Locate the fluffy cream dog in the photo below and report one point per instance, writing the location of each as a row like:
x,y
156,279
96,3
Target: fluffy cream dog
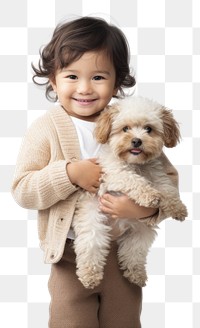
x,y
133,133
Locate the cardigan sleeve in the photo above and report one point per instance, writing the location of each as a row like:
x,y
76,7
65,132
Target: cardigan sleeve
x,y
40,178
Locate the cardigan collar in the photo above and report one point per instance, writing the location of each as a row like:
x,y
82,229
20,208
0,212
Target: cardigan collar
x,y
66,132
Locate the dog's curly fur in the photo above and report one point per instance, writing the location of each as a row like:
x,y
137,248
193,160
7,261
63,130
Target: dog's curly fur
x,y
133,133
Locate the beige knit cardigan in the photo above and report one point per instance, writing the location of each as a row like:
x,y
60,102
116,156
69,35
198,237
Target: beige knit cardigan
x,y
41,182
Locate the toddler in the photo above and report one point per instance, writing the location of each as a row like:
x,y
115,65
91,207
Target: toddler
x,y
85,64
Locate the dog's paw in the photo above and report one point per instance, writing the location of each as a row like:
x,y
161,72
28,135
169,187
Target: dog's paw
x,y
180,213
91,283
179,218
90,277
138,277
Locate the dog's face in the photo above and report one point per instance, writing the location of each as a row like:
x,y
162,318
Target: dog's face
x,y
137,129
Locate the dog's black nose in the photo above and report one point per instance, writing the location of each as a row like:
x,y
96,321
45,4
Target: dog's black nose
x,y
136,142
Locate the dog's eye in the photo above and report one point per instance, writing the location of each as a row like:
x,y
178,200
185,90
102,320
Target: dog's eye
x,y
126,128
148,129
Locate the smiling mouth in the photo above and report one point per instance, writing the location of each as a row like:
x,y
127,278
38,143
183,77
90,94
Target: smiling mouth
x,y
84,101
136,151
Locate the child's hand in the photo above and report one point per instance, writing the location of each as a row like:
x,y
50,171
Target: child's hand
x,y
85,174
120,207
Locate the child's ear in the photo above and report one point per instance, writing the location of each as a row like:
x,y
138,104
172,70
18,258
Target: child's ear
x,y
104,124
53,84
115,92
171,128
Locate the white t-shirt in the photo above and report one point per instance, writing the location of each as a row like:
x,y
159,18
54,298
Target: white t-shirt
x,y
88,145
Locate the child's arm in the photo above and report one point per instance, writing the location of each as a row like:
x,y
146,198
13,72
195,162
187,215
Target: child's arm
x,y
119,207
41,178
85,174
123,207
38,183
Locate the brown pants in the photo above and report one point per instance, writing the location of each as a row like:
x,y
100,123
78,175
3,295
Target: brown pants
x,y
115,303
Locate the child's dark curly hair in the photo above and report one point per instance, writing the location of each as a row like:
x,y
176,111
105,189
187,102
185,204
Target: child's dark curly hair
x,y
72,39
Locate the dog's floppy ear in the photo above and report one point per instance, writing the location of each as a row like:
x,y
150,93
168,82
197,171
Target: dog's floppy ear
x,y
104,123
171,128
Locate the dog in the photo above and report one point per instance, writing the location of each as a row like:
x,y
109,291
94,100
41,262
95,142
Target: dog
x,y
132,132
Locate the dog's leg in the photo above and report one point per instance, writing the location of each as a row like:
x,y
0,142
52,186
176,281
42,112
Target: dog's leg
x,y
143,193
135,186
91,244
170,203
173,207
132,253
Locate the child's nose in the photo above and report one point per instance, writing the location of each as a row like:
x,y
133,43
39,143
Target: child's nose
x,y
84,87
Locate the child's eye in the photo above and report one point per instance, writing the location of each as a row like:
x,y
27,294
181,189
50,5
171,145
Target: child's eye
x,y
148,129
72,77
98,78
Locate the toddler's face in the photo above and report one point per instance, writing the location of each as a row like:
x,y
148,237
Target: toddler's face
x,y
86,86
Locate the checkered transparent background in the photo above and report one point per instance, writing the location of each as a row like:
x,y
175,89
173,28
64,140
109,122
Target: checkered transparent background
x,y
164,37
